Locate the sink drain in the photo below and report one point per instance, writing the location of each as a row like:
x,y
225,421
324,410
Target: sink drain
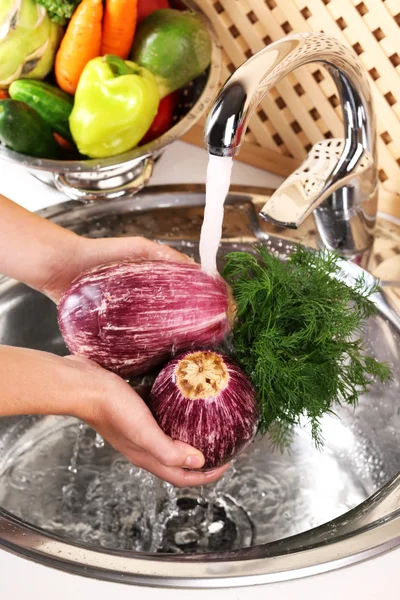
x,y
199,526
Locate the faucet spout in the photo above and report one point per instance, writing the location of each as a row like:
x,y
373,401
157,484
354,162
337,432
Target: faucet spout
x,y
338,181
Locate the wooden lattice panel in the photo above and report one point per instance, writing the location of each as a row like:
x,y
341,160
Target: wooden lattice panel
x,y
304,108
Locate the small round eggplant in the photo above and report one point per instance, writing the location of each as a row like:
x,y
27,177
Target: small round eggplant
x,y
203,398
131,316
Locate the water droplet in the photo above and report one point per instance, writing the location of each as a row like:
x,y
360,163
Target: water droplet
x,y
98,442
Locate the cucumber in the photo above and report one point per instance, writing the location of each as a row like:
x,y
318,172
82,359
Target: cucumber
x,y
23,130
174,45
52,104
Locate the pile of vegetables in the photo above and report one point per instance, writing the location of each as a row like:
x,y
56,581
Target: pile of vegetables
x,y
98,77
261,348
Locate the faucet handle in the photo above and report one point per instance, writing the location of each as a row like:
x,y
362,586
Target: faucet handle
x,y
328,167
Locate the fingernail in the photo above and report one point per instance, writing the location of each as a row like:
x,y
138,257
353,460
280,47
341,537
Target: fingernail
x,y
194,462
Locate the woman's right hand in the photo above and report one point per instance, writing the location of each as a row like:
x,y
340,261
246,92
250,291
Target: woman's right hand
x,y
122,418
41,383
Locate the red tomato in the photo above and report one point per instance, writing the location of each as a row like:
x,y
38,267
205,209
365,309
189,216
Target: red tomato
x,y
146,7
163,119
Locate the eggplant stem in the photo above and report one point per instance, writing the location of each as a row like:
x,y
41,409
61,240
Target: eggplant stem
x,y
201,375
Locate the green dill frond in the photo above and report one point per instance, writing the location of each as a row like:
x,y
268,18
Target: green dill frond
x,y
298,336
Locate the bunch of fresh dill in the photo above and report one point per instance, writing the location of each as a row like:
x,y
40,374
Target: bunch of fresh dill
x,y
298,336
60,11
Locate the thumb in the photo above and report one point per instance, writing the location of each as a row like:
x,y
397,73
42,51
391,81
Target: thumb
x,y
126,416
168,452
194,459
142,429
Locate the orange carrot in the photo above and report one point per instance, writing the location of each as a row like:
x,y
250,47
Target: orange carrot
x,y
81,43
3,94
119,27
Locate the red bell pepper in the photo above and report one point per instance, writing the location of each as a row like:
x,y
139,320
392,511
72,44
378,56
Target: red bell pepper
x,y
163,119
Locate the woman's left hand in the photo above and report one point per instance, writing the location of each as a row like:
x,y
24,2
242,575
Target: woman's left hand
x,y
48,257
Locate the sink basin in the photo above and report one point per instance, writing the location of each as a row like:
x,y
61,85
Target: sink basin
x,y
70,501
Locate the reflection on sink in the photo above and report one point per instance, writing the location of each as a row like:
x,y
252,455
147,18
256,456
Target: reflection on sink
x,y
57,475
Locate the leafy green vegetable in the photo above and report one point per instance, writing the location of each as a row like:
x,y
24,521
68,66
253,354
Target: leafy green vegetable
x,y
60,11
297,335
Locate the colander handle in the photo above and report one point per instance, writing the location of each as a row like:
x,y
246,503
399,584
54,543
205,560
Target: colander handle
x,y
133,186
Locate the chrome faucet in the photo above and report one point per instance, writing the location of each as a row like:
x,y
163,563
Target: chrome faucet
x,y
338,181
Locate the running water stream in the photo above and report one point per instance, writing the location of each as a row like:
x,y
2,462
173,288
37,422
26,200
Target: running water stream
x,y
217,186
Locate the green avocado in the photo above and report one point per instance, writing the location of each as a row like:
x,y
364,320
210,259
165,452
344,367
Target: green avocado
x,y
174,45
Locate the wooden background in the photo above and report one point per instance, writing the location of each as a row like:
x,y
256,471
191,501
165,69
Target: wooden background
x,y
304,108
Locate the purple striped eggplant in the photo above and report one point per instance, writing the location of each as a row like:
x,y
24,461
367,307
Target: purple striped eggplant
x,y
131,316
204,399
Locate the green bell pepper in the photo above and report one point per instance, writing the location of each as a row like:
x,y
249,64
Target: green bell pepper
x,y
115,104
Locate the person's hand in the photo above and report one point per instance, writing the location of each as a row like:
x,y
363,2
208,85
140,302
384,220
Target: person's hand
x,y
84,253
34,382
122,418
47,257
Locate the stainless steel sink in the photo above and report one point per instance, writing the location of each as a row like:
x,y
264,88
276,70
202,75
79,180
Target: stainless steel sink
x,y
69,501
